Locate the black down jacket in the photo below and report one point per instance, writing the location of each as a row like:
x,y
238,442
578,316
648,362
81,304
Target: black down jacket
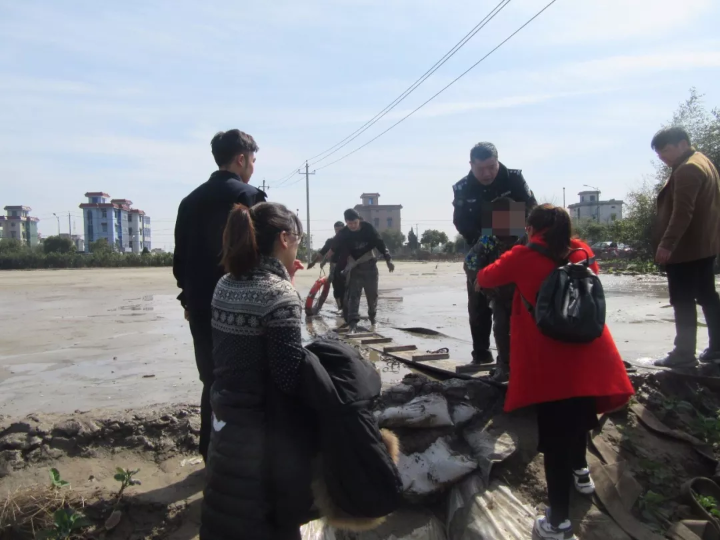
x,y
277,461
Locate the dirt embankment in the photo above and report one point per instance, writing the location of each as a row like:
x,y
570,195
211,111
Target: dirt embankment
x,y
430,417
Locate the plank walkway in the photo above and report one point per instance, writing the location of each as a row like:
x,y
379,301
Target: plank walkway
x,y
437,363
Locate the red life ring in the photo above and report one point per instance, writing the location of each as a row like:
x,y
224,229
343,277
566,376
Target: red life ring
x,y
313,307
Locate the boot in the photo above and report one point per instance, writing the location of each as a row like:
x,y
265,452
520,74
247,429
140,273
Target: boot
x,y
338,303
712,318
683,355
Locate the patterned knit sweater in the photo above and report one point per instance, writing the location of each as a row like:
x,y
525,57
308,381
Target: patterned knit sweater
x,y
256,327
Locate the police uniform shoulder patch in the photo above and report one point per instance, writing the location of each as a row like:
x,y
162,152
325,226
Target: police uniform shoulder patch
x,y
514,171
458,186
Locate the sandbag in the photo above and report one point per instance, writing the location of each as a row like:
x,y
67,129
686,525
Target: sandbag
x,y
422,412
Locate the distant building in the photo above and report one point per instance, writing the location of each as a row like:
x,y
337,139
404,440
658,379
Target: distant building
x,y
592,208
17,224
125,228
382,216
76,239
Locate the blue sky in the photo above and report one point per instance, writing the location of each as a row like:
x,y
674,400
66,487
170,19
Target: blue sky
x,y
125,97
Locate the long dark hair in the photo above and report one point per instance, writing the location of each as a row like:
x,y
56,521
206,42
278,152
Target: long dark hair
x,y
251,233
554,225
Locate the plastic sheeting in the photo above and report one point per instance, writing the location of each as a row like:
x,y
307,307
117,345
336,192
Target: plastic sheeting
x,y
422,412
402,525
478,512
489,448
432,470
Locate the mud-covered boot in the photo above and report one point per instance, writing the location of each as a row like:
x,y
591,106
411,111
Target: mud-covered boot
x,y
482,357
683,355
712,318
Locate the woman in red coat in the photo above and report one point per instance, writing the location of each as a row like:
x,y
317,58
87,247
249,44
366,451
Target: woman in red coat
x,y
571,383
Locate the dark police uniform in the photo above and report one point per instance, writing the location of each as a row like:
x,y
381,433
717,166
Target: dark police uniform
x,y
472,213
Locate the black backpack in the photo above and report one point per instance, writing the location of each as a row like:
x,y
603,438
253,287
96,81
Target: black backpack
x,y
570,305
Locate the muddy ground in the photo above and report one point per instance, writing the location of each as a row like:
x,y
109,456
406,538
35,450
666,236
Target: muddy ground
x,y
116,338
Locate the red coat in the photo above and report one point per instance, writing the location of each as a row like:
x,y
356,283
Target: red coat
x,y
543,369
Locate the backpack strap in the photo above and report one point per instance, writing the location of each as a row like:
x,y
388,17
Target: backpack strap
x,y
589,261
542,250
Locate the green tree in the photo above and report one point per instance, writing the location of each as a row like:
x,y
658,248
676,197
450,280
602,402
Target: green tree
x,y
146,251
433,238
461,245
413,240
702,125
100,246
393,239
10,245
58,244
449,247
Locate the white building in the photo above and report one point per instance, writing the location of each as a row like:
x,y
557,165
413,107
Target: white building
x,y
126,229
592,208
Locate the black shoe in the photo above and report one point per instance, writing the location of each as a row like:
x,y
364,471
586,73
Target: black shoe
x,y
483,357
677,359
372,321
710,356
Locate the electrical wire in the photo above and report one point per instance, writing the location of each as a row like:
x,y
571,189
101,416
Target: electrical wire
x,y
459,45
442,90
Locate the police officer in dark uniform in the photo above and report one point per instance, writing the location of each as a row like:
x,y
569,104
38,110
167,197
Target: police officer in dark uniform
x,y
487,181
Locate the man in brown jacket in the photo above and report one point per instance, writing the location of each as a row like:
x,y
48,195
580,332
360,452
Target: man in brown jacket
x,y
687,236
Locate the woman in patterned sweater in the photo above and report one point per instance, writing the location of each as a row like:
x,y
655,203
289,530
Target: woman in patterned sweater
x,y
257,352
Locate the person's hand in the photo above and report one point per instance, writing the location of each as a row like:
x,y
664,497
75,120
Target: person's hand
x,y
187,315
478,288
663,255
323,263
391,266
312,263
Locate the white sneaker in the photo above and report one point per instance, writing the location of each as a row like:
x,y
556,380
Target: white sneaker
x,y
584,482
543,530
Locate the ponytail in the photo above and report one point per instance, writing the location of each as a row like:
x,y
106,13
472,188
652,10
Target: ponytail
x,y
554,225
240,251
250,233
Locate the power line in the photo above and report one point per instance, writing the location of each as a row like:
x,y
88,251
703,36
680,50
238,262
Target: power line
x,y
459,45
443,89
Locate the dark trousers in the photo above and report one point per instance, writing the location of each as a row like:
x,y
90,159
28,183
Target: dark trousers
x,y
201,329
563,428
480,316
365,277
338,283
692,283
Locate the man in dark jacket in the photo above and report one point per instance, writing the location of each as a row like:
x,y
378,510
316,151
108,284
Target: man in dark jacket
x,y
487,181
198,246
338,260
687,238
359,239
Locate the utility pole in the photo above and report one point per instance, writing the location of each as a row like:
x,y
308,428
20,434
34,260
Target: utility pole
x,y
58,220
69,227
564,198
307,196
264,186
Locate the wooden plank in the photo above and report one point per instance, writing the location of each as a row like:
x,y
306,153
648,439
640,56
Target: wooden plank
x,y
399,348
430,356
392,298
371,341
360,335
474,368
